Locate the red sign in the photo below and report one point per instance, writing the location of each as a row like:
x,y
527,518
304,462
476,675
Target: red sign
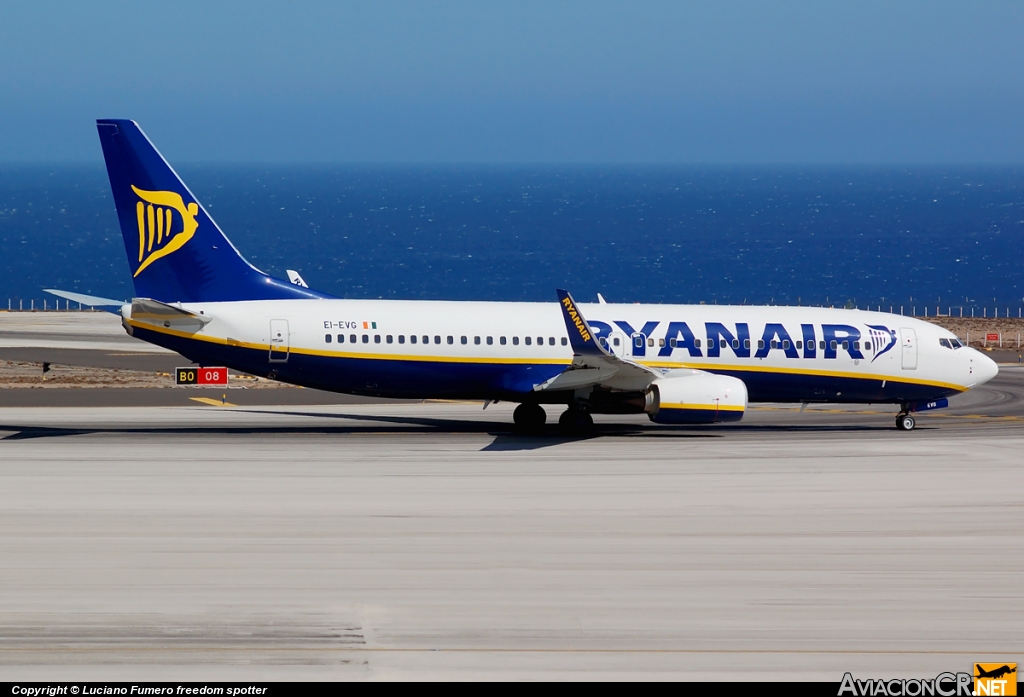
x,y
991,337
201,376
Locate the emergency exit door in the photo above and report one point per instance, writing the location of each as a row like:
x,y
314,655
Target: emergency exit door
x,y
908,340
278,340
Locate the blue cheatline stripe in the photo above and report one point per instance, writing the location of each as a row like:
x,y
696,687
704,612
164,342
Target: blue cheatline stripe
x,y
449,378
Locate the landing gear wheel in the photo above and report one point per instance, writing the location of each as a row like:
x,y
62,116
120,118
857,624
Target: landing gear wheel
x,y
905,422
529,417
575,422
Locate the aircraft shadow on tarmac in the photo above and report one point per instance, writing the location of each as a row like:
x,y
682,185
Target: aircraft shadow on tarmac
x,y
505,438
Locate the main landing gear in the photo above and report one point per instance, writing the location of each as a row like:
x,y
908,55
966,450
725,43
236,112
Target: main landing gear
x,y
575,422
905,422
529,417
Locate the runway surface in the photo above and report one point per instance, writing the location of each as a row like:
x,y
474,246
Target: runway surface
x,y
430,541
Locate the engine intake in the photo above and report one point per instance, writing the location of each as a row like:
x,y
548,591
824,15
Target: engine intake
x,y
696,398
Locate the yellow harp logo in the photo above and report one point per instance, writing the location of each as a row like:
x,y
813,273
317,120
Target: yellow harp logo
x,y
156,220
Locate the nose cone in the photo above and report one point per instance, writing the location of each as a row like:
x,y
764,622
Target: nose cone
x,y
983,368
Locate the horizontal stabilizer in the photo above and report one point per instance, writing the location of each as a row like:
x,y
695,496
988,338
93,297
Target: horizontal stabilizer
x,y
89,300
155,312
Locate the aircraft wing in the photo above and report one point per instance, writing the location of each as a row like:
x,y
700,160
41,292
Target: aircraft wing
x,y
592,363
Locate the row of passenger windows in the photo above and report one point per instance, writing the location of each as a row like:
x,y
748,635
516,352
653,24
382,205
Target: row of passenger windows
x,y
638,341
414,338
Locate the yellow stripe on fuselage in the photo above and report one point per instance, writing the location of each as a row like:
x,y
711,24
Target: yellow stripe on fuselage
x,y
550,361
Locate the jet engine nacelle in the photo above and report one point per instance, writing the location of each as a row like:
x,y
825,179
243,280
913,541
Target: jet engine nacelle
x,y
696,398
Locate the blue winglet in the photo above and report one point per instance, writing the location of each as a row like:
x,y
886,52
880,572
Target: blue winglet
x,y
581,336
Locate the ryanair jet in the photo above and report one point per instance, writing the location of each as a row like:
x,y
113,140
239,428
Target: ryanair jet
x,y
679,364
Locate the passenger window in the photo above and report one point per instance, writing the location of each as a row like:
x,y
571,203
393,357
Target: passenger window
x,y
785,344
799,344
426,339
821,344
490,341
451,339
401,338
515,341
390,339
352,338
327,338
528,340
856,344
366,338
746,343
540,341
464,341
672,343
735,343
615,341
650,342
760,344
834,345
501,341
476,340
341,338
775,344
722,343
412,338
638,341
696,343
846,345
565,342
661,342
437,339
376,338
551,341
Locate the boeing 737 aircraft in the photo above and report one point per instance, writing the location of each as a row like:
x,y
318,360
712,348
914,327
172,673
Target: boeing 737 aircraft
x,y
679,364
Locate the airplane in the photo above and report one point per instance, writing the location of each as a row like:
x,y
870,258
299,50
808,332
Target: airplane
x,y
995,673
680,364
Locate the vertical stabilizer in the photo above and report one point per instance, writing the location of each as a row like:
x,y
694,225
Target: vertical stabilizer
x,y
175,250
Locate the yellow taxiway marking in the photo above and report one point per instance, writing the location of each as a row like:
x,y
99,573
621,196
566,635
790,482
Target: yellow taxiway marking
x,y
212,402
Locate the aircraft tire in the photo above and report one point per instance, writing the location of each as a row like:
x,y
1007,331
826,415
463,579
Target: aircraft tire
x,y
529,417
905,422
575,422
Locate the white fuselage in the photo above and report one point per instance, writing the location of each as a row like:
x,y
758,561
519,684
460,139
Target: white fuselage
x,y
498,350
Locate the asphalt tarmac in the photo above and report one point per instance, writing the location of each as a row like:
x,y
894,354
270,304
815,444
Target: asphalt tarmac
x,y
430,541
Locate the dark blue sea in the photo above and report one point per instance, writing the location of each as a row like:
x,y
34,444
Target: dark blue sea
x,y
940,236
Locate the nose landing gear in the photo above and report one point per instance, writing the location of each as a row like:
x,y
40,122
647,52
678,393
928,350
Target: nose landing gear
x,y
905,422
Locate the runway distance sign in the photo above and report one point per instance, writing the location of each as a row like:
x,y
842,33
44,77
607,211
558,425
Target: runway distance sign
x,y
200,376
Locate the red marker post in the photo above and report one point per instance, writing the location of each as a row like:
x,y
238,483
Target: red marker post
x,y
201,376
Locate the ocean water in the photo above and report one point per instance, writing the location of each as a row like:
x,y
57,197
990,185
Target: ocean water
x,y
932,236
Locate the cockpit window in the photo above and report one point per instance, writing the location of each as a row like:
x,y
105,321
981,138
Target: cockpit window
x,y
951,343
944,342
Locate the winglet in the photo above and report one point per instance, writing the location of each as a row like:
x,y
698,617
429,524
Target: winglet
x,y
581,336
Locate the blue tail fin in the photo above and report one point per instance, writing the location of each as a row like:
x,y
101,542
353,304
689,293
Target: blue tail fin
x,y
175,250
